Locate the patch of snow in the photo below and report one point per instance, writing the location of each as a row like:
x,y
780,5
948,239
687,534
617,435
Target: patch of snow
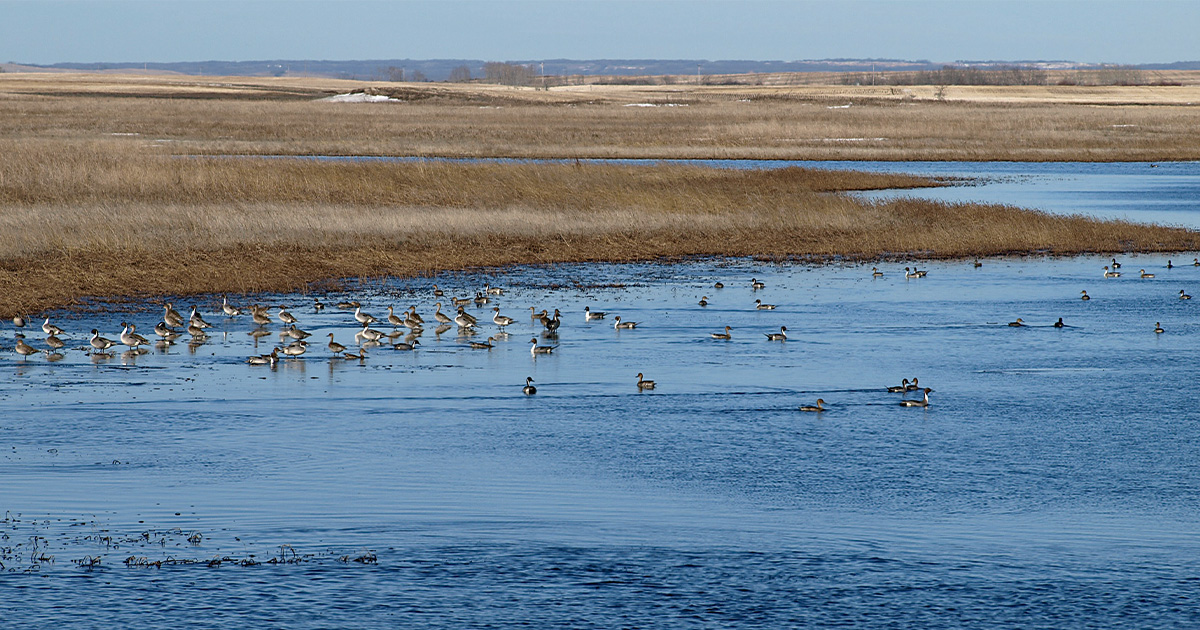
x,y
359,97
124,133
846,106
656,105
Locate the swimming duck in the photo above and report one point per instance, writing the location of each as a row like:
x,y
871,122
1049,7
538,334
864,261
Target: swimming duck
x,y
1158,328
902,387
1144,274
1184,296
818,407
529,389
876,273
363,318
406,345
437,292
491,290
920,273
589,314
1169,265
230,310
1116,265
758,304
348,304
617,323
978,264
917,403
483,345
913,386
501,320
51,329
536,349
724,335
719,285
779,336
461,301
23,348
703,300
334,346
756,285
911,274
361,355
1059,323
1085,297
1196,262
100,343
642,383
481,299
1017,324
440,316
1111,274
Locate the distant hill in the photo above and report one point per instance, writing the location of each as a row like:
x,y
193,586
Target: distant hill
x,y
441,69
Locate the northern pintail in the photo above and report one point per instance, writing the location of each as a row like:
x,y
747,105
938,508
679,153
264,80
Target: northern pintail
x,y
917,403
168,334
100,343
370,334
348,304
286,317
260,315
779,336
1116,265
460,301
334,346
464,319
1158,328
19,321
642,383
393,318
913,386
589,314
529,389
481,299
491,290
902,387
978,264
317,305
23,348
817,407
229,309
296,333
172,316
1143,273
130,337
55,343
1059,323
718,285
724,335
413,315
758,304
756,285
196,319
483,345
440,316
553,323
535,349
617,323
362,317
703,300
361,355
1111,274
195,330
1017,324
1184,296
500,320
51,329
437,292
295,349
876,273
264,359
406,345
1084,296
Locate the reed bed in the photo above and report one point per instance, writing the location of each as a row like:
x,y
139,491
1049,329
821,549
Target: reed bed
x,y
73,225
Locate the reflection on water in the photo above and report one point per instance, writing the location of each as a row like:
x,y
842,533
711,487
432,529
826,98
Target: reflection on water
x,y
1054,475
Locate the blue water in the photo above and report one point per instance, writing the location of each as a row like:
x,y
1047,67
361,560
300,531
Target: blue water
x,y
1054,480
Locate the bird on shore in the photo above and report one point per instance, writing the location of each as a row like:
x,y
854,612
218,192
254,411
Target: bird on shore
x,y
902,387
917,403
536,349
1085,297
817,407
1017,324
589,314
529,389
1144,274
779,336
724,335
618,324
1158,329
758,304
642,383
1184,296
1059,323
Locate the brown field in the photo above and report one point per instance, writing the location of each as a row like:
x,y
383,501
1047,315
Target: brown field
x,y
103,190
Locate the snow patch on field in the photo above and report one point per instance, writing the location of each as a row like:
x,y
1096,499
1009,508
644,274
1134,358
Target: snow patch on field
x,y
359,97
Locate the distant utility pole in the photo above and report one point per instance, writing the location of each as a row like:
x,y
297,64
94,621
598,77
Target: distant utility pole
x,y
543,75
697,74
872,74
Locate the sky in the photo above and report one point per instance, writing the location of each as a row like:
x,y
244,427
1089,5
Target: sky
x,y
1096,31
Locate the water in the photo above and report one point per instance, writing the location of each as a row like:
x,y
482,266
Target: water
x,y
1053,481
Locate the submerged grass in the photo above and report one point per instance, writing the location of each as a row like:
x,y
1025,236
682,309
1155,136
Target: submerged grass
x,y
98,221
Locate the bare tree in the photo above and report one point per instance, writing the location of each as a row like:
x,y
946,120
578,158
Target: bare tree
x,y
461,74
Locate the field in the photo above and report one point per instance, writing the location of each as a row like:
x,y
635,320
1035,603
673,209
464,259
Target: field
x,y
105,189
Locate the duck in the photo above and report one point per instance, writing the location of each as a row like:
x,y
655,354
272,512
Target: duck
x,y
920,273
818,407
483,345
196,319
363,318
414,315
758,304
719,285
779,336
876,273
978,264
361,355
902,387
317,305
618,324
51,329
756,285
296,333
589,314
1111,274
406,345
167,333
438,292
441,317
910,274
500,320
724,335
55,343
393,318
172,316
529,389
295,349
535,316
413,324
703,300
334,346
1115,264
1143,273
481,299
642,383
195,330
553,323
19,321
1017,324
264,359
370,334
1184,296
1084,296
23,348
1059,323
1158,328
130,337
1196,262
491,290
913,386
1169,265
100,343
259,315
464,319
348,304
460,301
536,349
286,317
924,402
230,310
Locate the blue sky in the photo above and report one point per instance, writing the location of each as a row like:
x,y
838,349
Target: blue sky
x,y
1107,31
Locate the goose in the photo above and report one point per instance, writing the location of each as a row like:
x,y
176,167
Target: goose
x,y
876,273
483,345
1143,273
642,383
172,316
818,407
100,343
196,319
1085,297
51,329
334,346
536,349
348,304
618,324
1116,265
553,323
296,333
1184,296
295,349
23,348
363,318
917,403
719,285
589,314
501,320
703,300
1111,274
413,315
230,310
168,334
724,335
481,299
130,337
286,317
440,316
393,318
913,386
978,264
463,319
406,345
317,305
529,389
491,290
361,355
758,304
756,285
779,336
1158,328
19,321
902,387
437,292
260,315
1059,323
1017,324
55,343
